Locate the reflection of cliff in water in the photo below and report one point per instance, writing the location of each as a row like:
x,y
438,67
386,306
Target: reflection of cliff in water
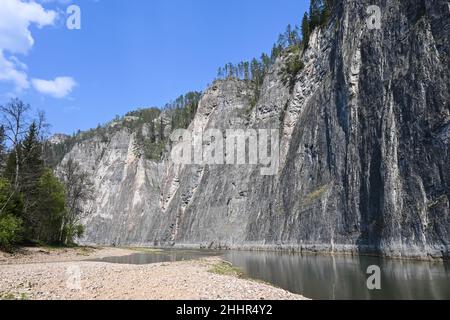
x,y
344,277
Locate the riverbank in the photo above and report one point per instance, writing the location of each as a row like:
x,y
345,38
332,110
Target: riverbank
x,y
63,274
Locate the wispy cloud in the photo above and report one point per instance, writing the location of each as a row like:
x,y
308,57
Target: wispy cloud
x,y
57,1
60,87
10,73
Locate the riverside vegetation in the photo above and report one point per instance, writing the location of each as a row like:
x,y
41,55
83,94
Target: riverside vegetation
x,y
37,205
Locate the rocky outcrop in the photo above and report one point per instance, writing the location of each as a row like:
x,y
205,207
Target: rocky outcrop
x,y
363,158
126,188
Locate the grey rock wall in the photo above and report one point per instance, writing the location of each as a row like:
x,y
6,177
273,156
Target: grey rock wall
x,y
364,151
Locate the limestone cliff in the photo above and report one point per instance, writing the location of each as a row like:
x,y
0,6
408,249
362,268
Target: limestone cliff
x,y
364,166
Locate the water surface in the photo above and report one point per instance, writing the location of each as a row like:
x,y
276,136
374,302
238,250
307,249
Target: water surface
x,y
344,277
166,255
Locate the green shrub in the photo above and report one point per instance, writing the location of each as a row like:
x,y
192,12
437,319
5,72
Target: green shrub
x,y
10,231
71,233
50,209
79,230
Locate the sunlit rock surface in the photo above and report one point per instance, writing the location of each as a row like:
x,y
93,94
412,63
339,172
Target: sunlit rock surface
x,y
364,151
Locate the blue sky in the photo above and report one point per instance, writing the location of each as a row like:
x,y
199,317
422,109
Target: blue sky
x,y
135,53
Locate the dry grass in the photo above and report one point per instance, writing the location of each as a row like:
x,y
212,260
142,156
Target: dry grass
x,y
224,268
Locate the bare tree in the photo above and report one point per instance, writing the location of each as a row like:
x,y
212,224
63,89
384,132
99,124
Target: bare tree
x,y
15,124
79,189
42,125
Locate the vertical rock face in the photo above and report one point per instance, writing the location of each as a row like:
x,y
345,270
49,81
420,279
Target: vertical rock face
x,y
126,188
364,157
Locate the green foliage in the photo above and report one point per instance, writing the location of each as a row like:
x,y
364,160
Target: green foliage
x,y
151,139
53,154
183,115
305,30
34,204
50,209
136,119
226,269
78,190
293,37
315,13
326,11
3,149
72,232
319,13
10,209
292,67
10,231
151,150
9,296
256,69
78,231
31,169
11,202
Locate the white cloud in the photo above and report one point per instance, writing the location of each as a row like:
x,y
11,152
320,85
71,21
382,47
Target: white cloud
x,y
16,17
10,73
58,88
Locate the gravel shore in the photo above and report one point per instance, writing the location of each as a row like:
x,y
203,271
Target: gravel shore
x,y
43,274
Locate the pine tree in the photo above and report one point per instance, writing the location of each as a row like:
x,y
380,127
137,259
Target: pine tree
x,y
31,170
246,70
220,73
256,72
276,50
305,30
291,36
161,129
31,166
315,13
288,35
265,60
326,11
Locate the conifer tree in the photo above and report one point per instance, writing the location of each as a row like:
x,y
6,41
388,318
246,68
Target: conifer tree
x,y
305,30
31,170
315,13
